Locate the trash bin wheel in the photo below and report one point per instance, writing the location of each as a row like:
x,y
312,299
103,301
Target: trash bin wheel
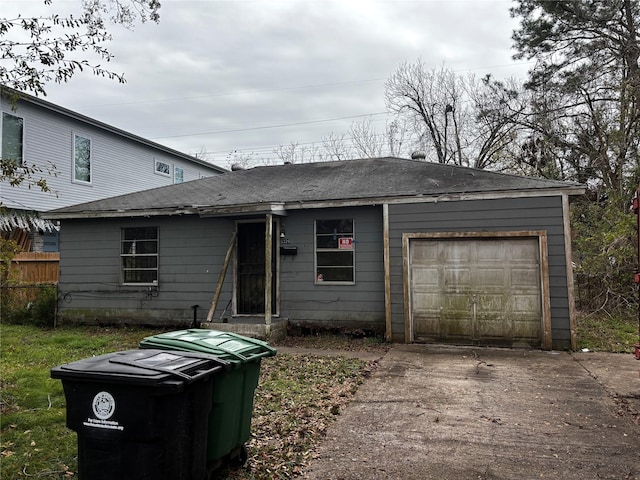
x,y
242,457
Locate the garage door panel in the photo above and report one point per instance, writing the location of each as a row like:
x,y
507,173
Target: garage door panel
x,y
525,277
522,251
454,328
442,329
491,327
424,251
488,277
455,253
491,304
425,277
488,252
457,277
455,304
428,326
474,290
427,303
524,332
524,303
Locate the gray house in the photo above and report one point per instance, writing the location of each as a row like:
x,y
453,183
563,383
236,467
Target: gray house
x,y
423,252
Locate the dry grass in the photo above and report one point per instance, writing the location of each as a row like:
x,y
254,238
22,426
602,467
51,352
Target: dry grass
x,y
297,398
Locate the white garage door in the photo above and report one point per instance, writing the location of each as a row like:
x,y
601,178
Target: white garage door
x,y
476,291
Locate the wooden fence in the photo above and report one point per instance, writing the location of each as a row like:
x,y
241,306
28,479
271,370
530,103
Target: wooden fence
x,y
35,267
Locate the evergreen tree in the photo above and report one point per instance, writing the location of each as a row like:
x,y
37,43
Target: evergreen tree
x,y
586,85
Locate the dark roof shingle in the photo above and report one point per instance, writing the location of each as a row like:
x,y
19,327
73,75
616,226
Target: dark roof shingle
x,y
364,179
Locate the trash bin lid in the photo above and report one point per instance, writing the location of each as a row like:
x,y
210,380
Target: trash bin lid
x,y
229,346
142,367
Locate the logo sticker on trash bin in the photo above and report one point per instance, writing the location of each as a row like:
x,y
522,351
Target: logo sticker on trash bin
x,y
103,405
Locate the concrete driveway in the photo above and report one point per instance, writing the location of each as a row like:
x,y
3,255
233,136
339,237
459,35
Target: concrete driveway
x,y
474,413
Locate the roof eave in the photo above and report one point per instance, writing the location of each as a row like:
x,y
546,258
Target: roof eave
x,y
274,208
159,212
280,208
440,197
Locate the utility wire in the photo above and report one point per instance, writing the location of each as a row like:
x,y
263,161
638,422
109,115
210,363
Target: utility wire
x,y
229,94
270,126
282,89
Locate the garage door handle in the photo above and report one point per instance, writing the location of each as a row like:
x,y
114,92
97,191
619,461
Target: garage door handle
x,y
474,302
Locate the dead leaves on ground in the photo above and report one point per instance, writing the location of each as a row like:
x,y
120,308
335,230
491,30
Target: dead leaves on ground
x,y
297,399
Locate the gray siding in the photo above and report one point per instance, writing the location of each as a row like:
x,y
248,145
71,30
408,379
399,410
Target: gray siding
x,y
349,306
191,255
119,165
192,252
544,213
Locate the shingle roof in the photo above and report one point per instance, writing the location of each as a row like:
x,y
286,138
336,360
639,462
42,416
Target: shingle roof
x,y
325,182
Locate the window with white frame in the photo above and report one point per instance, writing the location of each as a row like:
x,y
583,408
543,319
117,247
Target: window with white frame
x,y
139,255
335,251
178,175
81,159
12,138
162,168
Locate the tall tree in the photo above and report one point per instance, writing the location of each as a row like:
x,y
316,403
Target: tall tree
x,y
498,109
297,153
587,84
586,114
366,140
337,146
461,120
39,49
432,99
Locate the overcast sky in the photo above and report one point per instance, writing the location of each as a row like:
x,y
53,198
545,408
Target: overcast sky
x,y
250,75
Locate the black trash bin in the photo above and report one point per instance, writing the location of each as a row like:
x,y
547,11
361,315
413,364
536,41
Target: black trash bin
x,y
140,414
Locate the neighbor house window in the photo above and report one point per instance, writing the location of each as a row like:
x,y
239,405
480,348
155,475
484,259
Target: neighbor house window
x,y
163,168
12,137
139,254
81,159
335,254
178,175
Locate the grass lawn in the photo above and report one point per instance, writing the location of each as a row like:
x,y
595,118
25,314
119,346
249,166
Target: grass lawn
x,y
296,399
600,333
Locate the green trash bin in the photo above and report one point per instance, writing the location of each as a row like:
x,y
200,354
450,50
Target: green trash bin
x,y
233,389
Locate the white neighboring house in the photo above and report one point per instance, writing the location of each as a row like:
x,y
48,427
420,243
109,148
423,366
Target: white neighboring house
x,y
91,161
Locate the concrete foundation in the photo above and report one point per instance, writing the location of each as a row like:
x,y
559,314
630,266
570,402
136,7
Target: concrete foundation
x,y
251,327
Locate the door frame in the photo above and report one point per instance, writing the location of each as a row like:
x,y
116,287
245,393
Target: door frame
x,y
274,287
541,236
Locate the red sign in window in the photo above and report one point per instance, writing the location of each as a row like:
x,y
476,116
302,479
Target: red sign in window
x,y
345,242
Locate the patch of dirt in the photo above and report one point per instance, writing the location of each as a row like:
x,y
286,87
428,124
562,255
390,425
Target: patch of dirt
x,y
335,342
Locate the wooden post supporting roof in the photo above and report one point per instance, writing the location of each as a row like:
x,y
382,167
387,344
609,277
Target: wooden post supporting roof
x,y
568,255
387,274
268,264
223,273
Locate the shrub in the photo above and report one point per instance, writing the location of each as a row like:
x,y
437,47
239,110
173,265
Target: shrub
x,y
604,248
29,305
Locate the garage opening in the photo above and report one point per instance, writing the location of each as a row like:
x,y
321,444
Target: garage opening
x,y
479,290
